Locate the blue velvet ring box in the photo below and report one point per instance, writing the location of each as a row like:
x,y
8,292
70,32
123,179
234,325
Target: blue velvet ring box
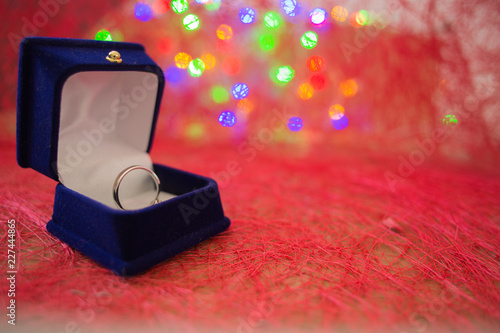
x,y
83,116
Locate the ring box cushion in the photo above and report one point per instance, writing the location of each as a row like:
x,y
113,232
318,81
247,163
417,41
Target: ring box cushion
x,y
107,116
82,120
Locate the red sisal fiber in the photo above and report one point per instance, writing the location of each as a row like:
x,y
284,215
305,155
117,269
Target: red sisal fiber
x,y
326,244
383,226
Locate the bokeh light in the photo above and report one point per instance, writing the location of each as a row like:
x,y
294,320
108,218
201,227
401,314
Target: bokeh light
x,y
285,74
174,74
266,42
180,6
195,130
247,15
182,60
224,32
339,14
368,17
231,65
142,12
196,67
355,18
224,46
118,36
315,63
341,123
309,39
160,6
361,17
450,120
227,118
306,91
290,7
318,16
245,105
348,88
212,5
295,124
240,90
191,22
103,35
220,94
318,81
164,45
209,60
272,20
336,111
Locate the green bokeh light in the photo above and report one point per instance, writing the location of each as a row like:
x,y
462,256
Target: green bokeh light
x,y
284,74
191,22
196,67
118,36
450,120
103,35
272,20
195,131
220,94
309,39
179,6
366,19
213,5
266,42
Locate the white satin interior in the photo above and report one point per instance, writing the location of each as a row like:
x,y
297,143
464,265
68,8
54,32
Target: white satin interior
x,y
105,126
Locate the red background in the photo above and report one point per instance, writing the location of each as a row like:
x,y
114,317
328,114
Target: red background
x,y
380,226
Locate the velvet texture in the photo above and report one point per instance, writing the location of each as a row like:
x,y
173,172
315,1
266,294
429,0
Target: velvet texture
x,y
127,242
44,66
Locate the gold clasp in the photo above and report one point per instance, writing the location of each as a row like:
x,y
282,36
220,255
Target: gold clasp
x,y
114,56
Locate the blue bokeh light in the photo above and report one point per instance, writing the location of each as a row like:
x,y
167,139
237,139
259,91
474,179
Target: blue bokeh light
x,y
318,16
143,12
173,74
295,124
247,15
240,90
340,124
227,119
290,7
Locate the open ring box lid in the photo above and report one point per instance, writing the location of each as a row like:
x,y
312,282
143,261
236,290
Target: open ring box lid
x,y
81,120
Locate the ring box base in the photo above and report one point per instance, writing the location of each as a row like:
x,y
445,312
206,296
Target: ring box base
x,y
129,242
